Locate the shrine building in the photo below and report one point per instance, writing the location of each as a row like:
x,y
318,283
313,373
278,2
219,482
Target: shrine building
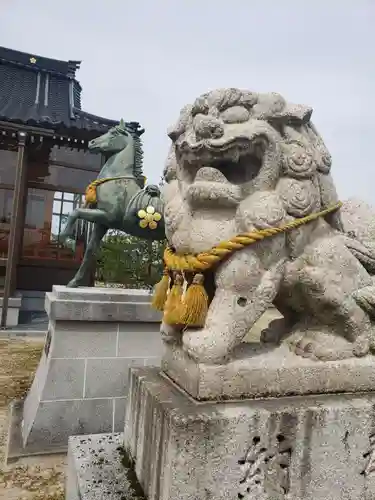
x,y
45,167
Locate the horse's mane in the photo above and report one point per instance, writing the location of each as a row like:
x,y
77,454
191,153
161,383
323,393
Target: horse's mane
x,y
136,131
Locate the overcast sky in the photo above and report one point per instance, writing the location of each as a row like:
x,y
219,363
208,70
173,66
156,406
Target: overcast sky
x,y
144,59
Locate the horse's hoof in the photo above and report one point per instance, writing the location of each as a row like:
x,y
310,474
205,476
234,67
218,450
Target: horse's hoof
x,y
72,284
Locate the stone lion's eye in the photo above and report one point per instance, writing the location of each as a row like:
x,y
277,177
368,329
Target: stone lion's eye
x,y
235,114
199,111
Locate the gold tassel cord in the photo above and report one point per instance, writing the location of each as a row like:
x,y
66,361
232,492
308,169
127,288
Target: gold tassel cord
x,y
172,308
161,292
193,309
90,193
195,303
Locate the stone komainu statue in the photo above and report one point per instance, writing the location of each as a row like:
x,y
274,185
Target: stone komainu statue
x,y
253,219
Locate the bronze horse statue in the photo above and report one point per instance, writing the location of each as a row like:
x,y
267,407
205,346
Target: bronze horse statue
x,y
118,198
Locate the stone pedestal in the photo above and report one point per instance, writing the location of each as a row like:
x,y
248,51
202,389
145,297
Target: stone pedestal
x,y
257,370
97,470
290,448
80,387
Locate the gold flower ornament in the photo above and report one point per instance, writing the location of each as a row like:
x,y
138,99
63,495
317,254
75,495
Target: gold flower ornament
x,y
149,218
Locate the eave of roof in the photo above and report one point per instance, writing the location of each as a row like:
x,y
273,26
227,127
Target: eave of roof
x,y
84,122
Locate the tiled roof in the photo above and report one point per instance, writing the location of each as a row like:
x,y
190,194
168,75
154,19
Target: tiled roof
x,y
44,92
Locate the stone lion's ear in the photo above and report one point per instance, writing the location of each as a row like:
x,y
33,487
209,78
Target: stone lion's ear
x,y
273,107
295,113
179,128
170,167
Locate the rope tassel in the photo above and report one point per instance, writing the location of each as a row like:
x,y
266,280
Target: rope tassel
x,y
90,195
161,292
172,308
195,304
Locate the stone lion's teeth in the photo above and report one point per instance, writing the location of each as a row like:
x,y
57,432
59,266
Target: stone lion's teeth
x,y
248,147
190,158
210,174
236,155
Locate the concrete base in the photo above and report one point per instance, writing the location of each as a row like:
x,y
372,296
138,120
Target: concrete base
x,y
292,448
80,385
96,470
14,305
257,370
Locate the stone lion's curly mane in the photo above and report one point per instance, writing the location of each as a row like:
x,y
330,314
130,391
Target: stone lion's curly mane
x,y
303,183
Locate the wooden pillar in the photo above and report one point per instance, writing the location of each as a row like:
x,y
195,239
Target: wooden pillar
x,y
16,227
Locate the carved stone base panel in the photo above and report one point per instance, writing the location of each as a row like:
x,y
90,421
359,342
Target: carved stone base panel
x,y
263,371
292,448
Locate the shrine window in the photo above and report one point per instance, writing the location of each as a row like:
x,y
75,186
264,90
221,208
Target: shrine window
x,y
46,215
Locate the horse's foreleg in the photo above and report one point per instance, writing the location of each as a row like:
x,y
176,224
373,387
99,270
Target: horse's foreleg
x,y
90,254
67,232
89,214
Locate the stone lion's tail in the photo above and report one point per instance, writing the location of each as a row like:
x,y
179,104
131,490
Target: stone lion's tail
x,y
365,298
365,253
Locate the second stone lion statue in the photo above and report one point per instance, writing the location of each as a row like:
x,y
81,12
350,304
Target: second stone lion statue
x,y
243,162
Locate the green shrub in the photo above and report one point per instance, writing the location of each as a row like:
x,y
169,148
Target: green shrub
x,y
130,261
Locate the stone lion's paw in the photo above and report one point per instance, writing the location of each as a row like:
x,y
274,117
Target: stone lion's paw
x,y
361,347
170,334
202,347
191,344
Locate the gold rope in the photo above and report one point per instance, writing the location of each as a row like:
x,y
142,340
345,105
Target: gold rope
x,y
90,194
190,309
205,260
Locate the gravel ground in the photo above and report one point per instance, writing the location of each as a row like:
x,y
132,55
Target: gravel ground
x,y
40,478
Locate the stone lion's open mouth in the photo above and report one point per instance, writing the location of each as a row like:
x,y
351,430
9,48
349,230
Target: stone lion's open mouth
x,y
237,161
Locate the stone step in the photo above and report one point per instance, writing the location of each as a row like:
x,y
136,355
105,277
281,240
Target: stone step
x,y
98,469
97,294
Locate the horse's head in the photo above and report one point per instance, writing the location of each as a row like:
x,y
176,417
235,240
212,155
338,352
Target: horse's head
x,y
115,140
